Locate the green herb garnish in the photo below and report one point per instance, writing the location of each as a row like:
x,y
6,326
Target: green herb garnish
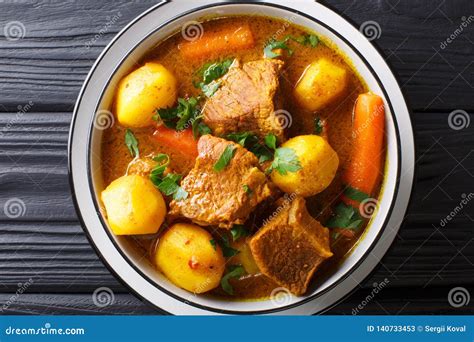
x,y
308,39
225,158
247,189
169,184
213,244
270,141
238,231
131,142
200,128
234,271
181,116
285,160
210,73
245,139
355,194
346,216
277,44
318,126
227,250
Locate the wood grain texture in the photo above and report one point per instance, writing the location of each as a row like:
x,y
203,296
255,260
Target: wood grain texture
x,y
47,245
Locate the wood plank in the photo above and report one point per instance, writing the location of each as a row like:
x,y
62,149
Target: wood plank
x,y
50,63
387,301
48,244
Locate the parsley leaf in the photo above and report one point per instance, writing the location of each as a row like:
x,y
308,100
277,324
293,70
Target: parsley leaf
x,y
225,158
213,244
277,44
210,73
245,139
181,116
238,231
200,128
355,194
131,142
227,250
308,39
346,216
234,271
247,189
318,126
270,141
285,161
262,152
168,184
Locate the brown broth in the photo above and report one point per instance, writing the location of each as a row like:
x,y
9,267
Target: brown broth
x,y
115,156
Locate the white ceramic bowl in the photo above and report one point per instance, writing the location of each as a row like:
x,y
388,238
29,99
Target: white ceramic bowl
x,y
90,119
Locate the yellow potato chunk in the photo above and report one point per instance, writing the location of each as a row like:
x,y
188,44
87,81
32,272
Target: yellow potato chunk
x,y
142,92
186,256
244,257
321,83
133,206
318,161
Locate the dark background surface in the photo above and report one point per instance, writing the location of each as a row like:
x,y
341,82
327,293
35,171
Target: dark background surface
x,y
41,75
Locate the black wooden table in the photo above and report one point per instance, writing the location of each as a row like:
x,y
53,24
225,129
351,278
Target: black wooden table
x,y
48,47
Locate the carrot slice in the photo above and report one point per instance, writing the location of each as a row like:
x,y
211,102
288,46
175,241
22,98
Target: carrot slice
x,y
181,141
365,168
225,40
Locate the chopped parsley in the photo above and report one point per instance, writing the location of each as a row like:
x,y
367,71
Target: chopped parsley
x,y
318,126
245,139
346,216
238,231
247,189
227,250
306,40
270,141
169,184
225,158
284,161
210,73
355,194
234,271
277,45
131,142
213,244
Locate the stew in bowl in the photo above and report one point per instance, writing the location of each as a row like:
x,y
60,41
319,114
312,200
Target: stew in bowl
x,y
246,157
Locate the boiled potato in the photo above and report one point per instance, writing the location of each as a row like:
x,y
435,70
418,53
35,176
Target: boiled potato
x,y
142,92
244,257
187,257
319,163
133,206
321,83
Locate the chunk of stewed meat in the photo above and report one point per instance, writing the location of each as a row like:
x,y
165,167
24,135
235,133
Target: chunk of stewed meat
x,y
224,197
291,246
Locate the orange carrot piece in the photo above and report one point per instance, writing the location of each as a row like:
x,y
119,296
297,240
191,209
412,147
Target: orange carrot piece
x,y
365,168
225,40
182,141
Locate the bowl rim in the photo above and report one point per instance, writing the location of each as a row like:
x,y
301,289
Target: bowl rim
x,y
309,298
